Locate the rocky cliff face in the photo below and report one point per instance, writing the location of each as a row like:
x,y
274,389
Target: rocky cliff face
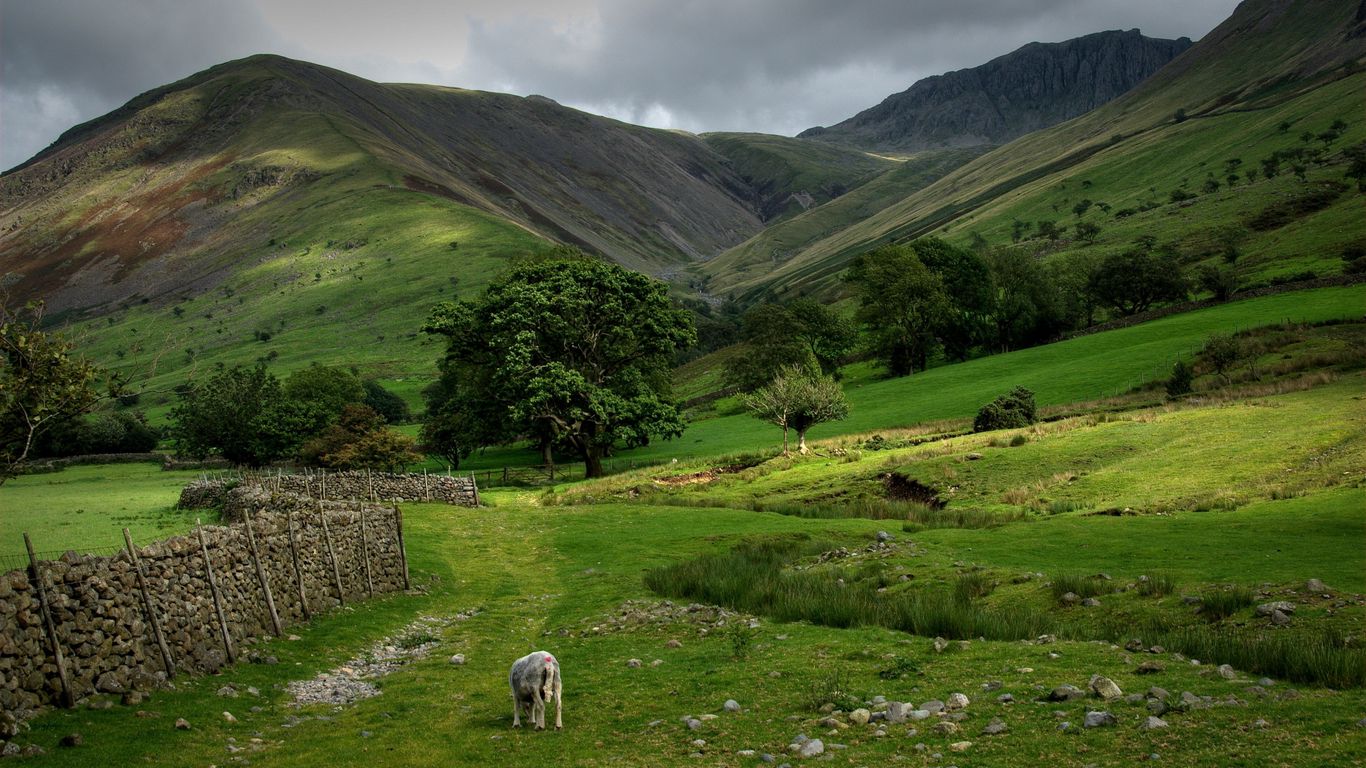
x,y
1034,87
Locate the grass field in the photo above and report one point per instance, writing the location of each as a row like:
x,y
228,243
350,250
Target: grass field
x,y
559,576
1084,368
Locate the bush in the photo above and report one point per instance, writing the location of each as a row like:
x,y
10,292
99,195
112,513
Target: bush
x,y
1181,381
1009,411
101,433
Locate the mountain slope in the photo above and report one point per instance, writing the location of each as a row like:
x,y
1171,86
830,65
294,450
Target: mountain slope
x,y
180,187
1272,63
788,176
1036,86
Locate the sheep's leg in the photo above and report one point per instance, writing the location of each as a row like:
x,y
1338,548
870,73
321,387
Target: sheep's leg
x,y
516,712
538,711
559,723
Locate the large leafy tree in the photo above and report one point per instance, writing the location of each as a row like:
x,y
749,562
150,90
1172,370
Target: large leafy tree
x,y
798,399
318,393
967,281
803,333
1134,280
240,413
42,384
903,305
565,350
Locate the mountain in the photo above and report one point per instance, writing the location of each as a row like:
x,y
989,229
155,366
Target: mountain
x,y
181,186
1034,87
1250,90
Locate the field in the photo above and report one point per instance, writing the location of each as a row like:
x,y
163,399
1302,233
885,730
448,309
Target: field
x,y
1228,498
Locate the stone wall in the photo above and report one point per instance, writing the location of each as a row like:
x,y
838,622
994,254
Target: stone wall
x,y
459,490
103,627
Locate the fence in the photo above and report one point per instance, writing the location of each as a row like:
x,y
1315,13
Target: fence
x,y
461,490
83,624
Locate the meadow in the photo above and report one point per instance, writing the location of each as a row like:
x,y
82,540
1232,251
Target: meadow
x,y
589,581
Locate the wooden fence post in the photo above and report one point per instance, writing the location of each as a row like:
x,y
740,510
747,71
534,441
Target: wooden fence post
x,y
68,696
152,617
365,554
402,552
474,486
332,555
261,576
370,483
298,569
426,486
217,598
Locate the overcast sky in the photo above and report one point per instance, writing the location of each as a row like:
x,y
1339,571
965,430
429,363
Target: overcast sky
x,y
776,66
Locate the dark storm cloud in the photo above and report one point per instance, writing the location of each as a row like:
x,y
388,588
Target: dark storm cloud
x,y
759,65
65,61
784,65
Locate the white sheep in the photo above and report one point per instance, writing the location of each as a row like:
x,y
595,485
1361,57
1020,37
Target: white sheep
x,y
535,680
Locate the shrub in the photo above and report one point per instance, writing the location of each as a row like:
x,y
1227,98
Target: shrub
x,y
1018,440
1009,411
1181,381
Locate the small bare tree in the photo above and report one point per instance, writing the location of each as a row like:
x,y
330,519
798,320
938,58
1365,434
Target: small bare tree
x,y
797,399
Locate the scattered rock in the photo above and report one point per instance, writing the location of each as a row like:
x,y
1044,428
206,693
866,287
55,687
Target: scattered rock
x,y
181,724
228,692
1005,698
960,746
956,701
1065,693
1098,719
1149,668
1070,598
1153,722
673,644
1090,602
1315,586
946,728
699,743
72,740
731,705
920,714
1279,618
458,659
1064,726
1157,707
656,662
812,748
1266,682
1157,692
693,723
859,716
633,663
933,706
1105,688
996,727
883,536
228,718
1226,672
898,712
940,645
974,456
1284,606
1259,724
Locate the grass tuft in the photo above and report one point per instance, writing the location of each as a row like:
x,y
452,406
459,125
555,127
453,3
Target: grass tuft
x,y
1223,603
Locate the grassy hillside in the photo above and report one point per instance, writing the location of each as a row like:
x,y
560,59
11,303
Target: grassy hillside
x,y
749,263
789,176
1271,62
186,185
1083,368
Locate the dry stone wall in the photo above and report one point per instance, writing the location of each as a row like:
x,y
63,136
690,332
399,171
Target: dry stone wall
x,y
458,490
313,556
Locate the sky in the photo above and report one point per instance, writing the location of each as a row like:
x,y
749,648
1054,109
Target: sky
x,y
772,66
